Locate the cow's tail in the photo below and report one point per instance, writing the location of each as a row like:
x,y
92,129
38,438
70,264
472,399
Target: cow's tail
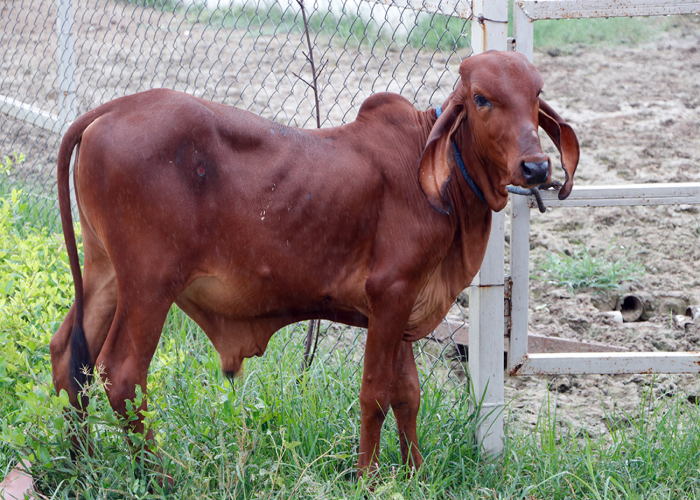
x,y
81,366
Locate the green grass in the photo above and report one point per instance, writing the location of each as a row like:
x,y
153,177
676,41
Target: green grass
x,y
271,434
432,31
598,269
558,35
445,33
347,29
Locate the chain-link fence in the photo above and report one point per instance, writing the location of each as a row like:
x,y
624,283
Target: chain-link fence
x,y
246,53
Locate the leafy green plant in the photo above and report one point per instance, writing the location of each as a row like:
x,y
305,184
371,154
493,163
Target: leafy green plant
x,y
35,288
33,208
35,294
591,269
8,162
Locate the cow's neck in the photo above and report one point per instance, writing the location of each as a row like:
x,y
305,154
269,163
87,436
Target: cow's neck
x,y
463,241
471,219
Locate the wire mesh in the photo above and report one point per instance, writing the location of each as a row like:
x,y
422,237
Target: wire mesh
x,y
245,53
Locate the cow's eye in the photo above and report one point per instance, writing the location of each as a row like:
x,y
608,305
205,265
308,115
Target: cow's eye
x,y
481,101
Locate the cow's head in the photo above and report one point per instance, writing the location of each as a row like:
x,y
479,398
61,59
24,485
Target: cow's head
x,y
492,116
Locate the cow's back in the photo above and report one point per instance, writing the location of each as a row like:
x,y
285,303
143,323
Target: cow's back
x,y
252,217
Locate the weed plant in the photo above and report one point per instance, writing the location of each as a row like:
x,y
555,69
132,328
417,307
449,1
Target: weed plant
x,y
31,209
599,270
8,162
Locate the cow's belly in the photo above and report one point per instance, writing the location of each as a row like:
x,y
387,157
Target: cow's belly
x,y
250,298
231,298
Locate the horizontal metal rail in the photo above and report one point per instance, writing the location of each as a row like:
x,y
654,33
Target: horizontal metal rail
x,y
577,9
30,114
621,195
610,363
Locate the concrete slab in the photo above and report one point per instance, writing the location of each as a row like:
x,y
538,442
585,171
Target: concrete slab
x,y
18,485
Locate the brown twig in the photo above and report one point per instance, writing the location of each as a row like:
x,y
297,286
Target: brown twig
x,y
311,334
310,58
314,324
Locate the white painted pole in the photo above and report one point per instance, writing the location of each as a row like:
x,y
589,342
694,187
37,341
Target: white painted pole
x,y
489,31
486,327
30,114
489,25
520,276
523,31
520,228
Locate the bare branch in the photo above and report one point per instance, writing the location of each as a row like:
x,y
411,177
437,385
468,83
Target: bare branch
x,y
314,324
300,78
310,59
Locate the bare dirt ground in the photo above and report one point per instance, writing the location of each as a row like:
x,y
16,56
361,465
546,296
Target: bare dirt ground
x,y
636,111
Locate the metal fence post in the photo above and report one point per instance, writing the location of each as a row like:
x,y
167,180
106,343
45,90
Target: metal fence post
x,y
523,31
520,276
66,63
489,31
66,74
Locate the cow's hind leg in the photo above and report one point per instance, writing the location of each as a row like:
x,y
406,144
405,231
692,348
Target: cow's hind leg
x,y
405,402
127,352
100,299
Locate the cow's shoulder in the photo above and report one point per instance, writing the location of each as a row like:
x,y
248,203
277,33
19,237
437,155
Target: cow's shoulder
x,y
386,106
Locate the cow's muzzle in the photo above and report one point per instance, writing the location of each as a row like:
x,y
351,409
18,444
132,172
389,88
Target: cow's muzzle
x,y
535,173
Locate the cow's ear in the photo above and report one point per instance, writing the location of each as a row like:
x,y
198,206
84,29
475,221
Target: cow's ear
x,y
435,165
565,140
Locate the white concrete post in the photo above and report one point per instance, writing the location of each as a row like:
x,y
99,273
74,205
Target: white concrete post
x,y
489,31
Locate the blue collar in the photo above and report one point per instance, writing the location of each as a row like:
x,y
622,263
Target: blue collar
x,y
460,162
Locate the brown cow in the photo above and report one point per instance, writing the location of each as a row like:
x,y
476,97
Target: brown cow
x,y
248,226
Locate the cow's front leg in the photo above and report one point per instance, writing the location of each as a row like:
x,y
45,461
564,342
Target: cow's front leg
x,y
405,402
387,322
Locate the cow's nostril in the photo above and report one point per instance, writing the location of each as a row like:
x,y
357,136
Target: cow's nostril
x,y
535,172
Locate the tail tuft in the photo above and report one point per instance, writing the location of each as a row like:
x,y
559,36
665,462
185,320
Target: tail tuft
x,y
80,364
